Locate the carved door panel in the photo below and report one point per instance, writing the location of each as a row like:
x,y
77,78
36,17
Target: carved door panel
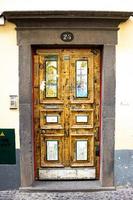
x,y
66,113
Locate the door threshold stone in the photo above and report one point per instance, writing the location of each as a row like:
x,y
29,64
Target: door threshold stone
x,y
66,186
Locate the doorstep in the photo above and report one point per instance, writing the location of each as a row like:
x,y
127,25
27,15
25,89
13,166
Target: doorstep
x,y
66,186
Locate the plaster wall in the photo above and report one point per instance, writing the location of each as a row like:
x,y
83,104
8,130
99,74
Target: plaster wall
x,y
124,84
124,105
111,5
9,174
8,78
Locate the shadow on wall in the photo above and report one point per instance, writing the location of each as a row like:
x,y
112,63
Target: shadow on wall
x,y
10,174
124,167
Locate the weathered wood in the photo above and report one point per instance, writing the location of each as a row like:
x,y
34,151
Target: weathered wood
x,y
66,131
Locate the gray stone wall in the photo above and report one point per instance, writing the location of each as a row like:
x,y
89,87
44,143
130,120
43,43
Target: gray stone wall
x,y
10,174
124,167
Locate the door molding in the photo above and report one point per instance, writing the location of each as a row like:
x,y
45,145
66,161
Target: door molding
x,y
89,28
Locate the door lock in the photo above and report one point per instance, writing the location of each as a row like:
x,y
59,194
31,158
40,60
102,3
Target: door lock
x,y
43,131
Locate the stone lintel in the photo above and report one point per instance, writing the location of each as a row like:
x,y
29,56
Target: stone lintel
x,y
103,19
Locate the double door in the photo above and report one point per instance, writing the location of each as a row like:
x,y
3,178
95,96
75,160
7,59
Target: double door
x,y
66,113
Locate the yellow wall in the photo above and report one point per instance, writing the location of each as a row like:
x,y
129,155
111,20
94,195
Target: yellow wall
x,y
124,86
8,78
124,82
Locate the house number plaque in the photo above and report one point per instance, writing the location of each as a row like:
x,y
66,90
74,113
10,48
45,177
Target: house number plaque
x,y
67,36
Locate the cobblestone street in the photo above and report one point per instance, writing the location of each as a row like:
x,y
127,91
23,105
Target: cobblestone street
x,y
119,194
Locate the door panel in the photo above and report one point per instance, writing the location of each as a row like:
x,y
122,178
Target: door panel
x,y
52,151
66,112
82,150
81,118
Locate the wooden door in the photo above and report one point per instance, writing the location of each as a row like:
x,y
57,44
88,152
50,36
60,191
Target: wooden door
x,y
66,113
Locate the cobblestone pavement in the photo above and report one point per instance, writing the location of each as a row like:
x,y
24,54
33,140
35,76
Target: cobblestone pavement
x,y
119,194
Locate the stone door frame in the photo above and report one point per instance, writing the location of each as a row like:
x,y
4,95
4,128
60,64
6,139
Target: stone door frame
x,y
89,28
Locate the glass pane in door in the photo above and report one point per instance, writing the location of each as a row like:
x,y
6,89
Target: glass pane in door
x,y
81,78
51,76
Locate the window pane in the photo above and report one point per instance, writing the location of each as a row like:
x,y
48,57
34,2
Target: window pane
x,y
51,78
81,78
52,150
51,118
82,150
81,118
